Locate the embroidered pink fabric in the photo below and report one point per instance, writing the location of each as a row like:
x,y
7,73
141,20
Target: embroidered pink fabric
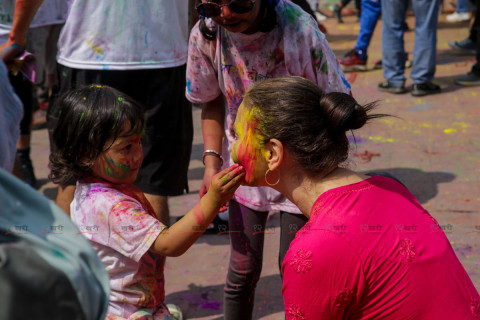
x,y
369,251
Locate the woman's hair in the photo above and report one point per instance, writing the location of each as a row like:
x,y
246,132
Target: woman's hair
x,y
268,22
91,119
310,123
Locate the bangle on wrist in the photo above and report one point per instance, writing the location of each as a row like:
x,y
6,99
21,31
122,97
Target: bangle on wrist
x,y
212,153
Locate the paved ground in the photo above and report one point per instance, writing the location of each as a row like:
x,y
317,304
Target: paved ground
x,y
433,147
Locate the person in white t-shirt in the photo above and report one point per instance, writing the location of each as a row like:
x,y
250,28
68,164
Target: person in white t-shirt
x,y
140,48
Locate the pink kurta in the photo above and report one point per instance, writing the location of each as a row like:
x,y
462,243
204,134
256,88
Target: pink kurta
x,y
370,251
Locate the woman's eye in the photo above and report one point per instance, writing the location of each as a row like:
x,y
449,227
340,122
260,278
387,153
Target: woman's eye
x,y
128,147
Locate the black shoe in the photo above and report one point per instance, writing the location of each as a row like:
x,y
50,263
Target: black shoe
x,y
26,167
469,79
423,89
388,87
466,46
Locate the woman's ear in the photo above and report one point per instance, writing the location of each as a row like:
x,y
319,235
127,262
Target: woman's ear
x,y
275,155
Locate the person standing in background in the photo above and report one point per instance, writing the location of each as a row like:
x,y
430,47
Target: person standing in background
x,y
393,49
139,48
472,78
15,18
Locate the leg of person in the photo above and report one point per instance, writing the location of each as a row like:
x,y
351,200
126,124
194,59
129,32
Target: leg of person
x,y
425,48
473,77
290,223
371,13
461,12
337,10
356,60
467,45
23,166
51,55
246,257
36,44
393,51
358,6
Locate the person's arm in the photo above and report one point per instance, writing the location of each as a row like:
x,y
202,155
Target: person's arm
x,y
174,241
213,115
25,11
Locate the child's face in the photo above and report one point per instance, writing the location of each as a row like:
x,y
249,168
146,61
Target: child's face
x,y
121,162
237,22
247,149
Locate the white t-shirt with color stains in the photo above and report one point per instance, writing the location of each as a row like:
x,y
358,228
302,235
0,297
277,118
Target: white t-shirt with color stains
x,y
125,35
122,232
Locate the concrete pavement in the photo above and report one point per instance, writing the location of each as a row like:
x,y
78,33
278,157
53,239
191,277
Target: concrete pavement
x,y
433,147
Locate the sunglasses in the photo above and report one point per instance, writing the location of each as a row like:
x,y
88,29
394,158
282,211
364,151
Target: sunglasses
x,y
211,9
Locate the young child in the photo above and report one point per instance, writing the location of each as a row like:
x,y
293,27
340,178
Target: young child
x,y
100,147
234,45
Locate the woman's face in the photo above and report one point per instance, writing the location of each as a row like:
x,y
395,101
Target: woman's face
x,y
121,162
247,148
237,22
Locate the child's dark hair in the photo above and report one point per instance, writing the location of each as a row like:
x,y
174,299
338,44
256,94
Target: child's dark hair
x,y
310,123
91,119
268,22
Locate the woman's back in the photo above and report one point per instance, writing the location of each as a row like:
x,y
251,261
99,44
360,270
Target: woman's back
x,y
371,251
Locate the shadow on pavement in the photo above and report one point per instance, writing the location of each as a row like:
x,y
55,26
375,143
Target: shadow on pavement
x,y
422,184
199,301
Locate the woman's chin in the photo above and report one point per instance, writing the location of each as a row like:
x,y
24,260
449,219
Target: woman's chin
x,y
251,183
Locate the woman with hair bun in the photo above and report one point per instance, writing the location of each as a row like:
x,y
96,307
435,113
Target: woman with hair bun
x,y
369,250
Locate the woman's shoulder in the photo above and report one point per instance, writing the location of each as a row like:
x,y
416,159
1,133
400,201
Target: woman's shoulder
x,y
293,18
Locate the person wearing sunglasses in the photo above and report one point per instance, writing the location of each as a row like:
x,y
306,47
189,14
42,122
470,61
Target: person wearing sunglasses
x,y
234,45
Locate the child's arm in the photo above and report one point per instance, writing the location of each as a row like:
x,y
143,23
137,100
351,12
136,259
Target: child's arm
x,y
174,241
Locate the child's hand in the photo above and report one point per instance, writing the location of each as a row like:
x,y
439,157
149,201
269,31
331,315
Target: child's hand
x,y
225,183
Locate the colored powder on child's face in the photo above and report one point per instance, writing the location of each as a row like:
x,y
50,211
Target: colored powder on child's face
x,y
116,170
247,149
121,162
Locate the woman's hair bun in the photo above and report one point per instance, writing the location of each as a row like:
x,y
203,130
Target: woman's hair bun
x,y
342,112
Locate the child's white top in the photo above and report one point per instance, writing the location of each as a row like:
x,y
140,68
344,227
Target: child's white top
x,y
122,232
125,35
235,61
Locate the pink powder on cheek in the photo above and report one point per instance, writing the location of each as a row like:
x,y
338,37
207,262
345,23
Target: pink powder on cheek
x,y
248,153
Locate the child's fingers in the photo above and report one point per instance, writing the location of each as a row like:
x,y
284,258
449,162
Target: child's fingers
x,y
235,182
222,174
